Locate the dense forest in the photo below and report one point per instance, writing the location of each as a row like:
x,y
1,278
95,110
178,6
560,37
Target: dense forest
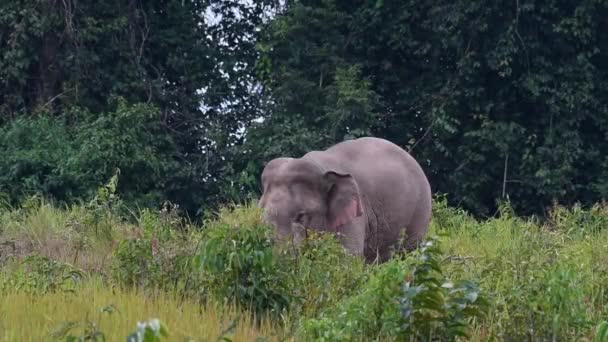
x,y
189,99
129,128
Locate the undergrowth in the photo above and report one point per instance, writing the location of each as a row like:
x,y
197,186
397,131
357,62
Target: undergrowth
x,y
505,278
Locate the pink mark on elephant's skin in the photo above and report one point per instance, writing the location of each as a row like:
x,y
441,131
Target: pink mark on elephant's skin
x,y
352,210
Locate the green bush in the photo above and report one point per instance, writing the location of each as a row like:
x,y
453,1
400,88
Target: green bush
x,y
404,298
241,262
135,263
372,312
153,263
321,273
535,294
239,265
66,157
158,254
545,281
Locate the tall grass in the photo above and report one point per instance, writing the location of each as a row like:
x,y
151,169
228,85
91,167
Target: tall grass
x,y
115,313
71,235
541,281
545,281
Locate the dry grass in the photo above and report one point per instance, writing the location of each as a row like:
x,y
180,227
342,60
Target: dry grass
x,y
62,234
31,317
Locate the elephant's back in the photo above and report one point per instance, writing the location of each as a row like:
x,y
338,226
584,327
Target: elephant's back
x,y
380,167
383,157
392,181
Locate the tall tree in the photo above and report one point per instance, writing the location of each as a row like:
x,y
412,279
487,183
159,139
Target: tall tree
x,y
190,62
496,100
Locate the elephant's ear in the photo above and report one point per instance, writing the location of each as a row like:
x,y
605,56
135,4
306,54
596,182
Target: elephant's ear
x,y
269,170
344,201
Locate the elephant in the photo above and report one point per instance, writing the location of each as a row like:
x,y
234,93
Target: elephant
x,y
367,191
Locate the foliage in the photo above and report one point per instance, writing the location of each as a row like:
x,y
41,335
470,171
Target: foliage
x,y
450,218
320,261
601,333
239,265
404,299
157,255
495,101
135,263
90,329
498,102
150,331
576,221
47,156
241,262
38,274
433,307
184,70
541,281
104,207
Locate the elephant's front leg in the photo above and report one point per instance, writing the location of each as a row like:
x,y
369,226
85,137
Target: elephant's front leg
x,y
352,235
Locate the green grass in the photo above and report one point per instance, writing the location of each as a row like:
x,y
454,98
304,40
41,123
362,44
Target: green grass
x,y
544,281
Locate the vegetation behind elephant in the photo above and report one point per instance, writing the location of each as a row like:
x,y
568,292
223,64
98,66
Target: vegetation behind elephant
x,y
366,190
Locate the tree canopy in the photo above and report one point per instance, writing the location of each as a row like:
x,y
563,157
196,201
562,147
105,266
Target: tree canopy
x,y
496,100
501,100
63,64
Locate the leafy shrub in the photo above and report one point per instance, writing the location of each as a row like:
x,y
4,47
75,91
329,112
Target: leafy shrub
x,y
372,312
105,206
561,305
544,283
66,157
432,306
159,254
165,224
34,155
239,264
153,262
404,298
321,272
135,263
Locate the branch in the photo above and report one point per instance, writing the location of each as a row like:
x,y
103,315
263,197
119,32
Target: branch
x,y
428,130
504,176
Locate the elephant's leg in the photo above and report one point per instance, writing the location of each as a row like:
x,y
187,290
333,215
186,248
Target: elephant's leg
x,y
417,230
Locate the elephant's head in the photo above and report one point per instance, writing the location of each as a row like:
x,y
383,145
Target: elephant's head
x,y
300,195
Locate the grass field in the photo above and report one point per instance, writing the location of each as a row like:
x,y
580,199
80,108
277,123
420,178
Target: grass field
x,y
93,268
115,313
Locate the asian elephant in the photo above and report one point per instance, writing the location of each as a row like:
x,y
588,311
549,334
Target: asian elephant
x,y
367,190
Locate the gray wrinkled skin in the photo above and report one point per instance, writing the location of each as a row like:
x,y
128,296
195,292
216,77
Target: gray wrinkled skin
x,y
369,191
